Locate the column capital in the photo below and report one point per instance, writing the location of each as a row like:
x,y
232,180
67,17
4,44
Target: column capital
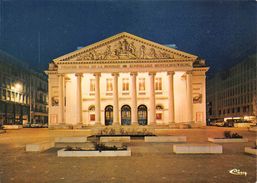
x,y
152,73
97,74
170,72
115,74
79,74
133,74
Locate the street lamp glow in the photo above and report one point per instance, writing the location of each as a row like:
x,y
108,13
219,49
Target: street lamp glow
x,y
18,87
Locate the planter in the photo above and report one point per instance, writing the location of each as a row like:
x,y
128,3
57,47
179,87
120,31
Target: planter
x,y
197,149
227,140
251,150
39,147
166,139
93,153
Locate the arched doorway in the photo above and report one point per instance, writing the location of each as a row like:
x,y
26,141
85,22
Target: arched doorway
x,y
142,115
125,115
108,115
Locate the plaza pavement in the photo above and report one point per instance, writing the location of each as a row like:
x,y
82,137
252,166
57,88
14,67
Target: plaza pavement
x,y
149,163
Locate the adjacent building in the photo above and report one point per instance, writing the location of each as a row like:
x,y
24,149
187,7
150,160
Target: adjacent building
x,y
232,93
23,93
127,80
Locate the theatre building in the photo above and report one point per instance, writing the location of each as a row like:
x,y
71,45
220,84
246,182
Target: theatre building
x,y
127,80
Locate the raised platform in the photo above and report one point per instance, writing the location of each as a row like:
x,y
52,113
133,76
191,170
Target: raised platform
x,y
39,147
63,153
12,127
165,139
227,140
70,139
197,148
115,139
251,150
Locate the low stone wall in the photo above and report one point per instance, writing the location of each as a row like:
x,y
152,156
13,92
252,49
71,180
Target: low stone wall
x,y
70,139
12,127
251,150
63,153
165,139
39,147
227,140
197,149
115,139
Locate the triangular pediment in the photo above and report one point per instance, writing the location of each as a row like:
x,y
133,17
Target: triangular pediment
x,y
125,46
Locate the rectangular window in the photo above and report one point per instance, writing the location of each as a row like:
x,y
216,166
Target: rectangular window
x,y
109,87
125,84
92,85
141,83
158,84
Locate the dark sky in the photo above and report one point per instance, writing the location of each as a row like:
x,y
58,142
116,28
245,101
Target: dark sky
x,y
221,32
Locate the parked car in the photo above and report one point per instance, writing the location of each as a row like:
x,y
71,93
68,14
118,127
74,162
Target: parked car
x,y
219,123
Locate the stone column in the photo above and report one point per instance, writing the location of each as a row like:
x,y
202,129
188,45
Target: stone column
x,y
97,99
79,98
61,108
189,96
134,119
152,110
115,99
171,97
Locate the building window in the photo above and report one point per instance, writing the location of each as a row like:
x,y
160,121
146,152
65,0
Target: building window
x,y
158,84
109,87
141,87
92,87
125,84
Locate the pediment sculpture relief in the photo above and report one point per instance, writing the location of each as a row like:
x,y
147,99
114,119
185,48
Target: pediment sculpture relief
x,y
124,49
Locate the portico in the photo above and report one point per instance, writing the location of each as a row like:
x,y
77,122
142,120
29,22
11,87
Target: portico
x,y
126,80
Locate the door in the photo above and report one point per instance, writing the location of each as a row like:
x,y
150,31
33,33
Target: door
x,y
108,115
142,115
125,115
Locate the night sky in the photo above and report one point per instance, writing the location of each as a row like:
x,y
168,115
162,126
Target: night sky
x,y
38,31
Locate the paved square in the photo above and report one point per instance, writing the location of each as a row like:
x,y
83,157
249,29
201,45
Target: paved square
x,y
150,162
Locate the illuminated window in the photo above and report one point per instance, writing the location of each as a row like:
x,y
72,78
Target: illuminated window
x,y
92,85
158,84
141,83
109,85
125,84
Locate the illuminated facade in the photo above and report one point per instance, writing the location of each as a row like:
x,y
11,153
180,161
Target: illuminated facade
x,y
126,80
232,93
23,93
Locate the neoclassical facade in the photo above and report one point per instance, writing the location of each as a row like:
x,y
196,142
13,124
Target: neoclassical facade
x,y
127,80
